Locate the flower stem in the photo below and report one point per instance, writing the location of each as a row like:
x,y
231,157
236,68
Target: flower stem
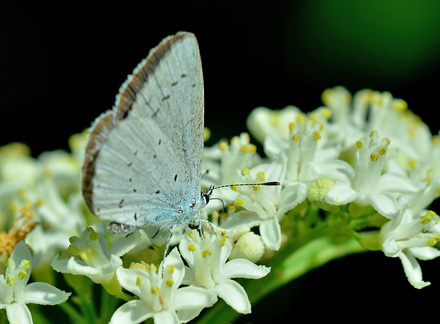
x,y
287,265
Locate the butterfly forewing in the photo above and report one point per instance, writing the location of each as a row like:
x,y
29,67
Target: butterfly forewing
x,y
143,159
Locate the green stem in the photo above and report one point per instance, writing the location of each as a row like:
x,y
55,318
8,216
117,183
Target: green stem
x,y
287,265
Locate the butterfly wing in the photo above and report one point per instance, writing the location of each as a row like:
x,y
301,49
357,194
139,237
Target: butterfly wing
x,y
143,159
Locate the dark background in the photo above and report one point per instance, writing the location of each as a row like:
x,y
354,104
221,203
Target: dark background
x,y
61,66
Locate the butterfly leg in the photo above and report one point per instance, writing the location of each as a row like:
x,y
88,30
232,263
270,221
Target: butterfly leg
x,y
166,248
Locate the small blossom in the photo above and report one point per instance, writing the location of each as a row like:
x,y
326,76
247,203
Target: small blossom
x,y
15,293
265,207
365,183
92,257
207,268
410,238
159,294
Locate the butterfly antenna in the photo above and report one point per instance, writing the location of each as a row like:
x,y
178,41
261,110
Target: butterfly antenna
x,y
269,183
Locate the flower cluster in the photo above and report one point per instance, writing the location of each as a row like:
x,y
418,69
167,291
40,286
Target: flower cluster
x,y
346,174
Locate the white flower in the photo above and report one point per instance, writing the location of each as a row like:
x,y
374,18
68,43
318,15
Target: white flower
x,y
365,184
15,293
265,206
303,147
159,294
410,238
92,257
224,163
207,268
264,121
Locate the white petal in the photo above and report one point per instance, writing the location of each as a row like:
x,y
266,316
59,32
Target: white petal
x,y
270,231
166,317
21,252
18,313
385,204
242,268
241,219
128,277
291,196
425,253
234,295
125,244
337,170
395,183
340,194
189,302
132,312
44,294
413,271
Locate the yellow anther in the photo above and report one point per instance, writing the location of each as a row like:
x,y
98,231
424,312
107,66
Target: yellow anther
x,y
93,235
235,188
256,187
191,247
399,104
191,233
291,126
206,252
245,172
359,145
437,190
412,164
317,136
295,138
22,274
261,176
171,268
239,202
8,262
326,113
155,290
252,148
374,157
382,150
223,146
10,280
25,264
39,202
300,118
435,140
373,133
428,180
244,148
170,282
138,281
432,241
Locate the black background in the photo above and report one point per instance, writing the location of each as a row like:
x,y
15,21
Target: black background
x,y
61,66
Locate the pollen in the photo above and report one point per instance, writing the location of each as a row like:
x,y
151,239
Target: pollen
x,y
374,157
223,146
245,172
239,202
10,280
317,136
295,138
170,282
206,253
291,126
22,274
155,290
191,247
261,176
400,105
